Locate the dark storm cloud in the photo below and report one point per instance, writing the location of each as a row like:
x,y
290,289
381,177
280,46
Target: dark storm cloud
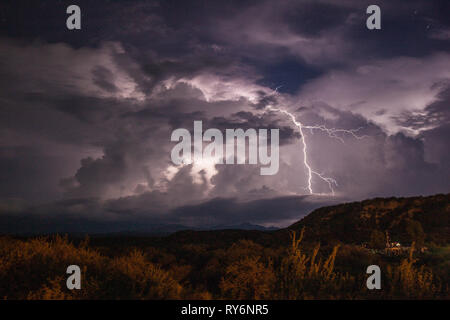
x,y
71,215
102,78
435,114
229,211
436,148
247,120
29,173
86,116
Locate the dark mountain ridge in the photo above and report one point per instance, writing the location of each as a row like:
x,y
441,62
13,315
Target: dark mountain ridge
x,y
351,223
354,222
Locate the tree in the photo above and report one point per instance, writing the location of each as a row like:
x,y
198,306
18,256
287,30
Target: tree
x,y
377,240
415,232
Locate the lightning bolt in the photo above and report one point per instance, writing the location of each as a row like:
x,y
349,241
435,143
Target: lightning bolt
x,y
332,133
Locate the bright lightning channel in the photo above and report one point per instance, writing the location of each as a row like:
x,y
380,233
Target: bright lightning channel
x,y
332,132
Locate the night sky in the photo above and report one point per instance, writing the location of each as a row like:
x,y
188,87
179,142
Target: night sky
x,y
86,115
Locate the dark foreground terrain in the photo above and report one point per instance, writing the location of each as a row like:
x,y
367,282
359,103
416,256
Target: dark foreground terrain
x,y
323,256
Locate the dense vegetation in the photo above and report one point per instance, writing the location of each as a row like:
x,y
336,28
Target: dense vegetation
x,y
404,218
324,256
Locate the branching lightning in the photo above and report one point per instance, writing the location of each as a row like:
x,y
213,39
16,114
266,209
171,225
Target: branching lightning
x,y
332,133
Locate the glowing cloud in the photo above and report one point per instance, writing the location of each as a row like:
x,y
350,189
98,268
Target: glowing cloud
x,y
332,132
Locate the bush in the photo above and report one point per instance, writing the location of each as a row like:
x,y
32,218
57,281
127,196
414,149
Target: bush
x,y
306,276
36,269
248,278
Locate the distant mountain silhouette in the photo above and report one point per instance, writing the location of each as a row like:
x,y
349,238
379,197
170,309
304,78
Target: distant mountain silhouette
x,y
351,223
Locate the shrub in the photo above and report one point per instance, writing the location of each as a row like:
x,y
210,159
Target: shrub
x,y
248,278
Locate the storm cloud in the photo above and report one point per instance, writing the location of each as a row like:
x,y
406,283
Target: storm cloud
x,y
86,116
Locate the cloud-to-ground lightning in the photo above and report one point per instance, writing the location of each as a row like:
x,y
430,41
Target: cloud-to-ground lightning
x,y
332,132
